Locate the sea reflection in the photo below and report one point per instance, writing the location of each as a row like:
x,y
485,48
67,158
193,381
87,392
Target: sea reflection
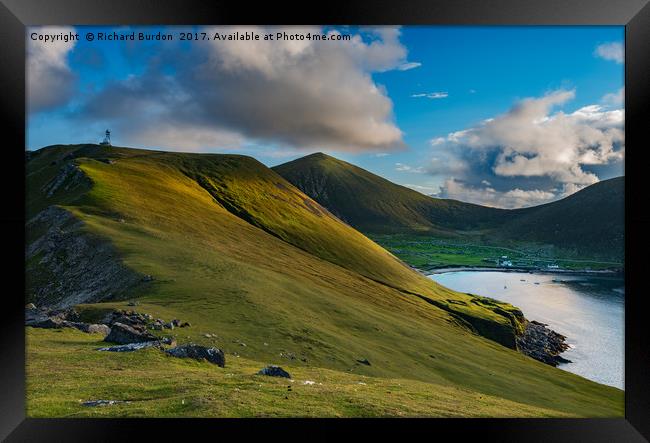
x,y
589,311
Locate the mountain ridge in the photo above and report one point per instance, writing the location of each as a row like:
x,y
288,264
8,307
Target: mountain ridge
x,y
375,205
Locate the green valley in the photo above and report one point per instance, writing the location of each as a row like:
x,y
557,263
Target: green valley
x,y
584,230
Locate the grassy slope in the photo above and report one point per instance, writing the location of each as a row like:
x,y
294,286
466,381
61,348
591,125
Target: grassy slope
x,y
374,205
228,277
59,362
593,216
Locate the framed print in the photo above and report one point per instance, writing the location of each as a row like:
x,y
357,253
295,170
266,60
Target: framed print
x,y
400,218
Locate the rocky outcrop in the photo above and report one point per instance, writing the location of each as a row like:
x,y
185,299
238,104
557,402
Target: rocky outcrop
x,y
197,352
61,318
68,177
66,265
130,347
125,334
542,344
274,371
89,328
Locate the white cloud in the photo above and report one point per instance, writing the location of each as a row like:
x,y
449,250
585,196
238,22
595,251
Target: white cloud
x,y
431,95
293,94
406,168
426,190
614,99
186,138
408,66
530,141
49,79
488,196
613,51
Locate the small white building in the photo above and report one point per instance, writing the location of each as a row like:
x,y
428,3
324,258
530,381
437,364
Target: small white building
x,y
503,261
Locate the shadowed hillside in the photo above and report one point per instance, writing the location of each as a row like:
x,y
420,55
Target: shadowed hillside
x,y
373,204
588,222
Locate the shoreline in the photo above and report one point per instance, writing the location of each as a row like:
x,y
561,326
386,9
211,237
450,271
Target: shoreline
x,y
451,268
538,340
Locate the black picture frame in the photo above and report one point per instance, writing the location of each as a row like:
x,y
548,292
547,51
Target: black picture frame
x,y
15,15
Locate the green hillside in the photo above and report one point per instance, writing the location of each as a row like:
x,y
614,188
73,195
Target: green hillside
x,y
589,222
230,246
373,204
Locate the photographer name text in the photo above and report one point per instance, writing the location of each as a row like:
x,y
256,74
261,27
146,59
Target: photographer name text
x,y
187,36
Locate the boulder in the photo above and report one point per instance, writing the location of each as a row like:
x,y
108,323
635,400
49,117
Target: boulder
x,y
90,328
125,334
46,323
33,317
274,371
136,346
93,328
197,352
364,361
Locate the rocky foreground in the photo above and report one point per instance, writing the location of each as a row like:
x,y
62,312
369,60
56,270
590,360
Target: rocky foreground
x,y
542,344
131,331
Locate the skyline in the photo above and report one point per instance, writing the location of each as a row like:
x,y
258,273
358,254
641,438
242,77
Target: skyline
x,y
501,116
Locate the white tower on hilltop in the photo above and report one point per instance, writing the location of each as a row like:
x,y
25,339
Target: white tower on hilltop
x,y
107,139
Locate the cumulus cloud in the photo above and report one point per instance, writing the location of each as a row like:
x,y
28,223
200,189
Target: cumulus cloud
x,y
531,141
488,196
426,190
614,99
408,66
613,51
431,95
50,81
300,94
407,168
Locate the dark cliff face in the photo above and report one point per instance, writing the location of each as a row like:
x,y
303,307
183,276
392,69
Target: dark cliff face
x,y
542,344
66,266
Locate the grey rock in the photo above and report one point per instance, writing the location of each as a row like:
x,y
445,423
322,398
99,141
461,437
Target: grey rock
x,y
364,361
92,403
137,346
85,268
542,343
70,175
90,328
125,334
197,352
274,371
46,323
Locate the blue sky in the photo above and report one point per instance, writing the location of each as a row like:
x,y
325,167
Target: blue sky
x,y
503,116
